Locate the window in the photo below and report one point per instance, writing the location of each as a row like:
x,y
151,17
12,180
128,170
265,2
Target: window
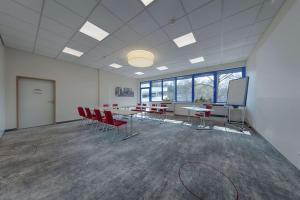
x,y
207,87
156,90
145,92
204,88
145,95
223,79
169,90
184,89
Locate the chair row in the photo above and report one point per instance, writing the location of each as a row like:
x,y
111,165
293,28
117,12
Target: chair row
x,y
105,121
152,109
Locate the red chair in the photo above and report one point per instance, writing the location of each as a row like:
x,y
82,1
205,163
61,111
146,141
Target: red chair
x,y
113,122
204,115
81,113
152,109
101,119
105,105
89,114
137,108
115,106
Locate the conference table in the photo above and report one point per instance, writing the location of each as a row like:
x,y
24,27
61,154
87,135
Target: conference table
x,y
201,110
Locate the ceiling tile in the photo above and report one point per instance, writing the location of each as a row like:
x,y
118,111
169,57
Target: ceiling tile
x,y
178,28
33,4
234,6
16,10
260,27
67,57
269,9
113,43
190,5
62,15
45,51
164,11
125,9
209,31
127,35
105,19
156,38
82,8
206,15
57,28
21,27
240,20
237,34
51,40
143,24
82,42
14,39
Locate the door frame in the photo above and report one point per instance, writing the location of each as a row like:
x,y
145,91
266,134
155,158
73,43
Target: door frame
x,y
41,79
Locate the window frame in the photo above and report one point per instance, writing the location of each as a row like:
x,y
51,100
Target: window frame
x,y
193,76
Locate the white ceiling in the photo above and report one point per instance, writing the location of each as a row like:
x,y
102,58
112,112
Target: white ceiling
x,y
225,30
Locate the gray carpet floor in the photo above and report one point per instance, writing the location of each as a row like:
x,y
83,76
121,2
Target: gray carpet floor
x,y
165,161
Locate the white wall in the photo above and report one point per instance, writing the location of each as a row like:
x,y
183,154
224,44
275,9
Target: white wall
x,y
2,90
274,94
75,85
108,82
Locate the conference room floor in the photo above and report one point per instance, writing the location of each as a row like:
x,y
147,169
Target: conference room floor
x,y
166,161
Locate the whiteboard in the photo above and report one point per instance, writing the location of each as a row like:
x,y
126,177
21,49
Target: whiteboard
x,y
237,92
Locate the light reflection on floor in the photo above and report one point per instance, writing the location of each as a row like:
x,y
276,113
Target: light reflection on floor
x,y
215,127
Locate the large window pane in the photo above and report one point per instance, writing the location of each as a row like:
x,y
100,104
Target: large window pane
x,y
156,90
145,95
204,88
169,90
184,89
223,81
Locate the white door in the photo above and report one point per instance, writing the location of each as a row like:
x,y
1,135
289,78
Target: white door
x,y
36,102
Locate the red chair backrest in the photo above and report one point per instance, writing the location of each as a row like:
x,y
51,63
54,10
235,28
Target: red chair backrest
x,y
105,105
207,113
115,106
163,110
109,117
138,107
153,109
88,113
144,104
81,111
98,114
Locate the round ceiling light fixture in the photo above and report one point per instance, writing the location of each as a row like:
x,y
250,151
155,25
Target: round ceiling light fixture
x,y
140,58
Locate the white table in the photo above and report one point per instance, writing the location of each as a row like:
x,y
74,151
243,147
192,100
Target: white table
x,y
201,110
130,114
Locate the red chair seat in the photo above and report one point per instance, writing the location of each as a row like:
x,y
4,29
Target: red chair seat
x,y
119,122
198,114
136,110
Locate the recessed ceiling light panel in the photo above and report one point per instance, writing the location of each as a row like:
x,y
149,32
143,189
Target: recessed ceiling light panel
x,y
115,65
147,2
139,73
197,60
73,52
162,68
185,40
93,31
